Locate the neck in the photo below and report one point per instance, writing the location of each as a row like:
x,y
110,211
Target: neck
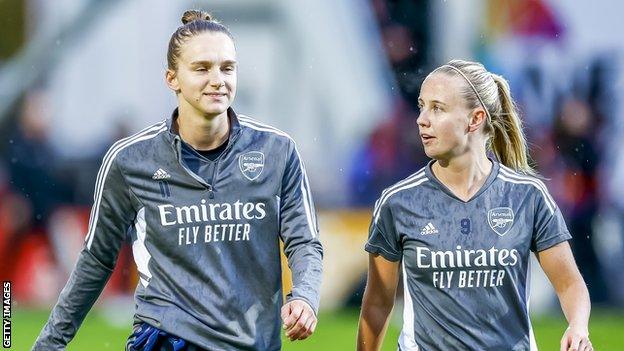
x,y
202,132
464,174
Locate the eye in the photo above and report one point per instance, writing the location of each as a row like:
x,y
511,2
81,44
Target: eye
x,y
200,69
228,69
436,108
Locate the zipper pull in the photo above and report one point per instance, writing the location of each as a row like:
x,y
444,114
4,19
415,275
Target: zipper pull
x,y
210,192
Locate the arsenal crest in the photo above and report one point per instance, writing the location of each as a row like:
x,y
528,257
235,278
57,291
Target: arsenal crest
x,y
501,219
251,164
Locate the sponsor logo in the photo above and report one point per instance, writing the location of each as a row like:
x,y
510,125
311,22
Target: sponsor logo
x,y
251,164
501,219
460,257
428,229
467,268
161,174
211,212
208,222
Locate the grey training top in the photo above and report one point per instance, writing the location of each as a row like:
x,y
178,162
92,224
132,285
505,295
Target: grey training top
x,y
208,255
465,265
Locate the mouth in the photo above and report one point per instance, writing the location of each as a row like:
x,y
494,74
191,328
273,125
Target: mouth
x,y
426,137
215,95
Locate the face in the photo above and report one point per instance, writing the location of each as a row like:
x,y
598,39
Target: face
x,y
445,122
206,75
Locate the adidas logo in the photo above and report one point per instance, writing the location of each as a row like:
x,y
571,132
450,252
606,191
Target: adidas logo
x,y
428,229
161,174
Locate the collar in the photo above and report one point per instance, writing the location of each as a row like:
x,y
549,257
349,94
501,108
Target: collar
x,y
235,126
489,180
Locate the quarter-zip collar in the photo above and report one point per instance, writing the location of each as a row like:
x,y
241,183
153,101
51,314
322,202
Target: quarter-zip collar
x,y
176,143
174,138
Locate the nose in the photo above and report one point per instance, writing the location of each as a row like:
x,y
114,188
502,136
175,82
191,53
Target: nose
x,y
423,119
215,79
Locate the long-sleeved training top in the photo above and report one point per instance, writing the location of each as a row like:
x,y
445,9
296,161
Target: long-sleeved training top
x,y
208,254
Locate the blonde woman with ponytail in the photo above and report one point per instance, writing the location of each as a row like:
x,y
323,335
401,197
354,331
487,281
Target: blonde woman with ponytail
x,y
462,229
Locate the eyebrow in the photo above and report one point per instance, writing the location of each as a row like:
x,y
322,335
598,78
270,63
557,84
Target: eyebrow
x,y
433,101
206,62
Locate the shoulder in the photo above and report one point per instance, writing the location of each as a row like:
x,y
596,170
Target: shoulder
x,y
253,126
410,183
133,144
526,183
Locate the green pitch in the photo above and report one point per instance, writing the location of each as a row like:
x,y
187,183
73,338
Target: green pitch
x,y
335,331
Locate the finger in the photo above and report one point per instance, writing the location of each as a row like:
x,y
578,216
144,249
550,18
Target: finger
x,y
293,316
285,311
565,343
305,331
574,344
313,328
298,327
307,328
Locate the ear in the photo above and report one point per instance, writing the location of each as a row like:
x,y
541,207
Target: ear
x,y
477,119
172,80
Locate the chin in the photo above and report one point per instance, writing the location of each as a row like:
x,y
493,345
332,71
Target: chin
x,y
436,154
431,152
214,109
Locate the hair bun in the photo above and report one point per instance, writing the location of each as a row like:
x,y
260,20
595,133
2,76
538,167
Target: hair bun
x,y
194,15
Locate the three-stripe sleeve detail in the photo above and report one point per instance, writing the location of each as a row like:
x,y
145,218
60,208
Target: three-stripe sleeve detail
x,y
107,162
305,185
510,176
409,182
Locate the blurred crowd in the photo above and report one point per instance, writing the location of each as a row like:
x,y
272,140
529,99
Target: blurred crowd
x,y
45,204
393,150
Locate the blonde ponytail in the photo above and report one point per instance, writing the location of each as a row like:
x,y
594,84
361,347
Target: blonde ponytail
x,y
503,126
508,142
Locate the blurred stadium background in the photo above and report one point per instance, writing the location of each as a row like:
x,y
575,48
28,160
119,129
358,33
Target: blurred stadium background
x,y
342,77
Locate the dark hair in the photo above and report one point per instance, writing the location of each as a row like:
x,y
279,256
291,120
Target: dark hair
x,y
194,22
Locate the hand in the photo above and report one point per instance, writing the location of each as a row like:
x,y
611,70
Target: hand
x,y
576,339
299,319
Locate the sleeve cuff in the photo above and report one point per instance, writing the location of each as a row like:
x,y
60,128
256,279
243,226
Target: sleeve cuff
x,y
541,246
390,256
314,307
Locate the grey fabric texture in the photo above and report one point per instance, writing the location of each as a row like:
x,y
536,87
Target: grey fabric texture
x,y
208,254
465,264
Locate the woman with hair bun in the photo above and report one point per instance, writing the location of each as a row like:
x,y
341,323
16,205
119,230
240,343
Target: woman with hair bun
x,y
462,229
206,211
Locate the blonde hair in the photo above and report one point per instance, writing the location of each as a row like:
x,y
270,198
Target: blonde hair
x,y
503,125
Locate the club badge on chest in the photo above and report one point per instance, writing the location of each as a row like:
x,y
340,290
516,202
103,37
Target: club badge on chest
x,y
251,164
501,220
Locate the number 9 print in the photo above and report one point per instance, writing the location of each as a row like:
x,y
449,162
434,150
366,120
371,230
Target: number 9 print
x,y
465,225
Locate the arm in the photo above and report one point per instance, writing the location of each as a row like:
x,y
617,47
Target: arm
x,y
299,232
383,276
549,242
558,264
111,215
